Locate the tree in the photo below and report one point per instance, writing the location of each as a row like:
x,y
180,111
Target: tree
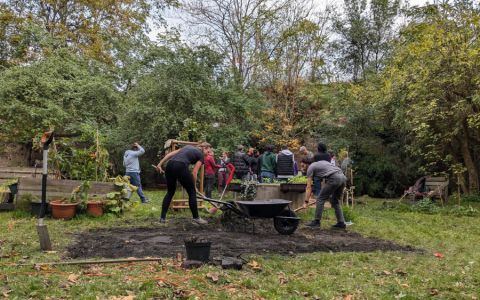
x,y
366,32
234,28
432,84
185,93
87,27
61,92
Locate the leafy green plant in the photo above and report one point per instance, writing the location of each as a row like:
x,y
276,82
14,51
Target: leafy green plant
x,y
248,189
298,179
471,198
80,194
460,211
116,202
426,205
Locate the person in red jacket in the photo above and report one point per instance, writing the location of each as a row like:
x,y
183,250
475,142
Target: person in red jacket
x,y
210,169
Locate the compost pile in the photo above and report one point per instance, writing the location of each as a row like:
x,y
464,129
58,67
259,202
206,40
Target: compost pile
x,y
167,241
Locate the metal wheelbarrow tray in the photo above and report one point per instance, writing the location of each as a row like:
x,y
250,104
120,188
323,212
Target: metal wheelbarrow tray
x,y
285,220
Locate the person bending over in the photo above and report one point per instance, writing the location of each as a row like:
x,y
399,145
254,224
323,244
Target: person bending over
x,y
177,169
334,185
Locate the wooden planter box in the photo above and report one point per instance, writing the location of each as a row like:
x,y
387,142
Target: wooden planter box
x,y
293,187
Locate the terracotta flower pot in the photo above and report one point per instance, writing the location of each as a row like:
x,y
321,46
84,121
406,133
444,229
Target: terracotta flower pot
x,y
95,208
62,210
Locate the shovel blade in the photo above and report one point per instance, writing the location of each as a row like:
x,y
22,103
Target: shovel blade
x,y
45,243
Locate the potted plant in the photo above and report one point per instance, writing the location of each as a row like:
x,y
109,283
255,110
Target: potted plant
x,y
65,208
93,207
296,184
116,202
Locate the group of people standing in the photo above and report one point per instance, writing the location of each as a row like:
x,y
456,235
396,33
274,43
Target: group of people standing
x,y
267,166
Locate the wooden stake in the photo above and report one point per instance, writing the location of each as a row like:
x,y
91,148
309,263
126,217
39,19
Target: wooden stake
x,y
94,262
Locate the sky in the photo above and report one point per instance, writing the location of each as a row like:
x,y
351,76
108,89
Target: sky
x,y
173,19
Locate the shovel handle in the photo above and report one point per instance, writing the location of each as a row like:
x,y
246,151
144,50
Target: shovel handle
x,y
308,205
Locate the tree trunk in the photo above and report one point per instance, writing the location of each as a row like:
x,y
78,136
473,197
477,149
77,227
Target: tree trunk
x,y
473,179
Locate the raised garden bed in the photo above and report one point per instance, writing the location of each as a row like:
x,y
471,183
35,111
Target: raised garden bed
x,y
293,187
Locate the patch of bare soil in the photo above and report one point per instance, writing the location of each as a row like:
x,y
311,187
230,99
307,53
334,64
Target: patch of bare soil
x,y
167,241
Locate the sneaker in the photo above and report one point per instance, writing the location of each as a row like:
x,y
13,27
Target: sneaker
x,y
145,201
313,224
340,225
163,221
199,221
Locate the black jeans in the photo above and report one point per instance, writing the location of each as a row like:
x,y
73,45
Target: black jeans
x,y
179,171
209,183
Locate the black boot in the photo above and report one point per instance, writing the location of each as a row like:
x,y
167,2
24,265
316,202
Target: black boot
x,y
340,225
314,224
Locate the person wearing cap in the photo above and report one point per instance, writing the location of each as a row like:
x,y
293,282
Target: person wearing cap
x,y
177,169
132,168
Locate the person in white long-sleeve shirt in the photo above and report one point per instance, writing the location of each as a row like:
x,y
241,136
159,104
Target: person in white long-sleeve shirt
x,y
132,168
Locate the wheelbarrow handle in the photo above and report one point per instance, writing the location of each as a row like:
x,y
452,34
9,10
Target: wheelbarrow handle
x,y
200,196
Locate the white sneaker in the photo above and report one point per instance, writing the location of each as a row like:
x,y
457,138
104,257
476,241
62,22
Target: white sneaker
x,y
199,221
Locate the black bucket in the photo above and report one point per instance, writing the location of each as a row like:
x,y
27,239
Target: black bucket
x,y
35,209
198,251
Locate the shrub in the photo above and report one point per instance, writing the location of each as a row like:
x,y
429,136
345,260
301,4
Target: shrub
x,y
426,205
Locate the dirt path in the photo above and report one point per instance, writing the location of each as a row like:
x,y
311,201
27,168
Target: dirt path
x,y
168,240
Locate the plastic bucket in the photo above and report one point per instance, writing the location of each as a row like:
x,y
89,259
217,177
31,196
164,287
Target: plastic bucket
x,y
198,251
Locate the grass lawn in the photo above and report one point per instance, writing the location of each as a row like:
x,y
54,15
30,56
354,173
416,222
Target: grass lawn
x,y
347,275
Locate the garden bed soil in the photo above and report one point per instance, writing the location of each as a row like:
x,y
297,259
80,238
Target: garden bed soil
x,y
167,241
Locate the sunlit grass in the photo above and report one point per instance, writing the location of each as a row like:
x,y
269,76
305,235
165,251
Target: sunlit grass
x,y
374,275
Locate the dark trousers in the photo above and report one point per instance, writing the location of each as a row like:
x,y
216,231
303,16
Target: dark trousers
x,y
333,187
222,180
179,171
209,183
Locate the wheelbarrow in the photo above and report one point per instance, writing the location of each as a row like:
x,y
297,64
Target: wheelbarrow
x,y
285,220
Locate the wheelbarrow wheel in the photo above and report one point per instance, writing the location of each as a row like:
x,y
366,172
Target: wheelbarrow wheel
x,y
286,225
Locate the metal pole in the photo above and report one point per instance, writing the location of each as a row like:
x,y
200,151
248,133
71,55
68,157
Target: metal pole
x,y
45,243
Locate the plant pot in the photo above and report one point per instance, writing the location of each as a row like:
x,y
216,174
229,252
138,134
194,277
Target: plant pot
x,y
35,208
235,187
62,210
198,251
293,187
95,208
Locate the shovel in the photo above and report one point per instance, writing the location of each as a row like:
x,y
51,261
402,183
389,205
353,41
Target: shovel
x,y
42,230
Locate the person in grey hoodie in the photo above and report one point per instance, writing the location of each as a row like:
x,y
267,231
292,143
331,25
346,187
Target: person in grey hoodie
x,y
132,168
285,164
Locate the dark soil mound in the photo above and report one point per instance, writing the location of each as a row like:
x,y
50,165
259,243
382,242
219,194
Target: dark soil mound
x,y
167,241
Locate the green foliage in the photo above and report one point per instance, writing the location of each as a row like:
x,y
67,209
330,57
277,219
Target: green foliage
x,y
426,205
83,157
297,179
349,214
60,92
117,202
470,198
80,194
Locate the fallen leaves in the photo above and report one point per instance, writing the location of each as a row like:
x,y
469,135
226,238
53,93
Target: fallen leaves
x,y
41,267
433,291
6,292
73,278
213,276
282,278
348,297
254,265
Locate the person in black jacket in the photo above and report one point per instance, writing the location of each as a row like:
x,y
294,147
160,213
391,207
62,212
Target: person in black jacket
x,y
285,164
241,163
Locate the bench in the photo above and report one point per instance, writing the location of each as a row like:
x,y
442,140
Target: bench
x,y
437,187
434,187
